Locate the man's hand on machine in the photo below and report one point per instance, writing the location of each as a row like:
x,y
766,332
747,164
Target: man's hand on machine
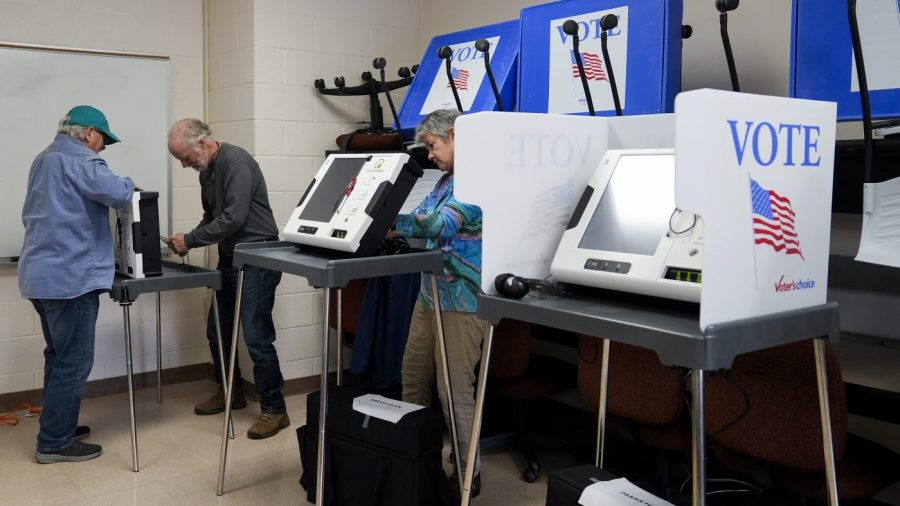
x,y
176,242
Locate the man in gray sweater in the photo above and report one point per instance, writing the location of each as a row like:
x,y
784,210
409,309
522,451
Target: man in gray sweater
x,y
235,210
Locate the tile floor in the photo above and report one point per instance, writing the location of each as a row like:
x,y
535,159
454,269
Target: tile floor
x,y
179,455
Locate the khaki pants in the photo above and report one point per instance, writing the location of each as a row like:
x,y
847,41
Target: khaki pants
x,y
463,333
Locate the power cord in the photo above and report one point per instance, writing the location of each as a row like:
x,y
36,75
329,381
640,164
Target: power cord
x,y
118,230
712,437
547,287
9,418
677,232
746,488
186,265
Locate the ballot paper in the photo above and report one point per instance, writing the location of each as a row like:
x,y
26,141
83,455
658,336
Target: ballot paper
x,y
618,492
383,408
879,242
421,190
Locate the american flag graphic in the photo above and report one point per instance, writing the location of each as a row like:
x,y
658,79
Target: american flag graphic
x,y
773,220
460,78
593,67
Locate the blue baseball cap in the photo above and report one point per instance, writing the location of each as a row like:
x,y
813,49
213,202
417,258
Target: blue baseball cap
x,y
85,115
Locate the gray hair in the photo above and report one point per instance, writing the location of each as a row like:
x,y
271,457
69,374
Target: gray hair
x,y
77,132
437,123
191,131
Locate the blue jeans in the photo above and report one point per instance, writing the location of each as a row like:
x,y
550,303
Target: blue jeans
x,y
69,329
259,329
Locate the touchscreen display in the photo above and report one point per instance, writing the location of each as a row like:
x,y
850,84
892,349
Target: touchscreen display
x,y
323,202
633,213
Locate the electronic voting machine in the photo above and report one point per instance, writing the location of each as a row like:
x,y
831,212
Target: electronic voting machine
x,y
352,202
626,233
136,233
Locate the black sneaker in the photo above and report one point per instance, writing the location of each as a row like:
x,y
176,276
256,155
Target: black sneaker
x,y
476,485
76,452
82,432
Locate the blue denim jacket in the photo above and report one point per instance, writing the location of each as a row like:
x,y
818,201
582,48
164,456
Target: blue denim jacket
x,y
68,248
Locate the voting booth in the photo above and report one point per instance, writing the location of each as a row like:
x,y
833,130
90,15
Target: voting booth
x,y
546,160
644,49
759,171
822,63
736,217
137,239
352,201
431,90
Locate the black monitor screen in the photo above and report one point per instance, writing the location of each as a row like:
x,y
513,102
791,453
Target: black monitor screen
x,y
321,204
634,210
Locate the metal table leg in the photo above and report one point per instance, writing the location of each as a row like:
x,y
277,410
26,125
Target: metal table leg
x,y
226,389
126,310
231,359
442,348
476,421
158,349
323,407
825,412
340,337
698,439
601,405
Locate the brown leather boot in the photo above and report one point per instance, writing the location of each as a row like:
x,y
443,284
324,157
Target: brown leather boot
x,y
268,425
216,403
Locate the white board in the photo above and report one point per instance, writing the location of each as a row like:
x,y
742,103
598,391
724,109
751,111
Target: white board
x,y
40,85
759,171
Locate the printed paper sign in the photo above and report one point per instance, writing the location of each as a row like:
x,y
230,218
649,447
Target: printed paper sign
x,y
467,69
566,94
620,492
879,30
758,170
383,408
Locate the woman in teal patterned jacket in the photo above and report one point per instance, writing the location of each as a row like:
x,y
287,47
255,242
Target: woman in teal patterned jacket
x,y
455,228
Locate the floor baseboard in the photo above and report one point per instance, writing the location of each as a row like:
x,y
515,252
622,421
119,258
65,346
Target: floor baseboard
x,y
144,380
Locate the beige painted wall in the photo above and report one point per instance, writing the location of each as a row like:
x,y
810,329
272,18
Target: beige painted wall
x,y
169,27
263,58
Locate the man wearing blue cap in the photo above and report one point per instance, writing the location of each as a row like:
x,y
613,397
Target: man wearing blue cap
x,y
65,264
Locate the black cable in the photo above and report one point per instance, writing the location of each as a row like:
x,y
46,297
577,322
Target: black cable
x,y
446,53
729,56
118,230
596,351
676,232
710,439
612,76
863,90
584,82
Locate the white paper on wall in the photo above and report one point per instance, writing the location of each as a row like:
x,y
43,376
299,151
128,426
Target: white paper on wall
x,y
566,94
759,171
880,238
879,35
467,69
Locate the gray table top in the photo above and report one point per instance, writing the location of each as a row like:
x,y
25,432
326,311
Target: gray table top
x,y
675,336
174,277
332,270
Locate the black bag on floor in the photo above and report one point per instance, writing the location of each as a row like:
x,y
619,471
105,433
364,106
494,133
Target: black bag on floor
x,y
565,487
372,462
